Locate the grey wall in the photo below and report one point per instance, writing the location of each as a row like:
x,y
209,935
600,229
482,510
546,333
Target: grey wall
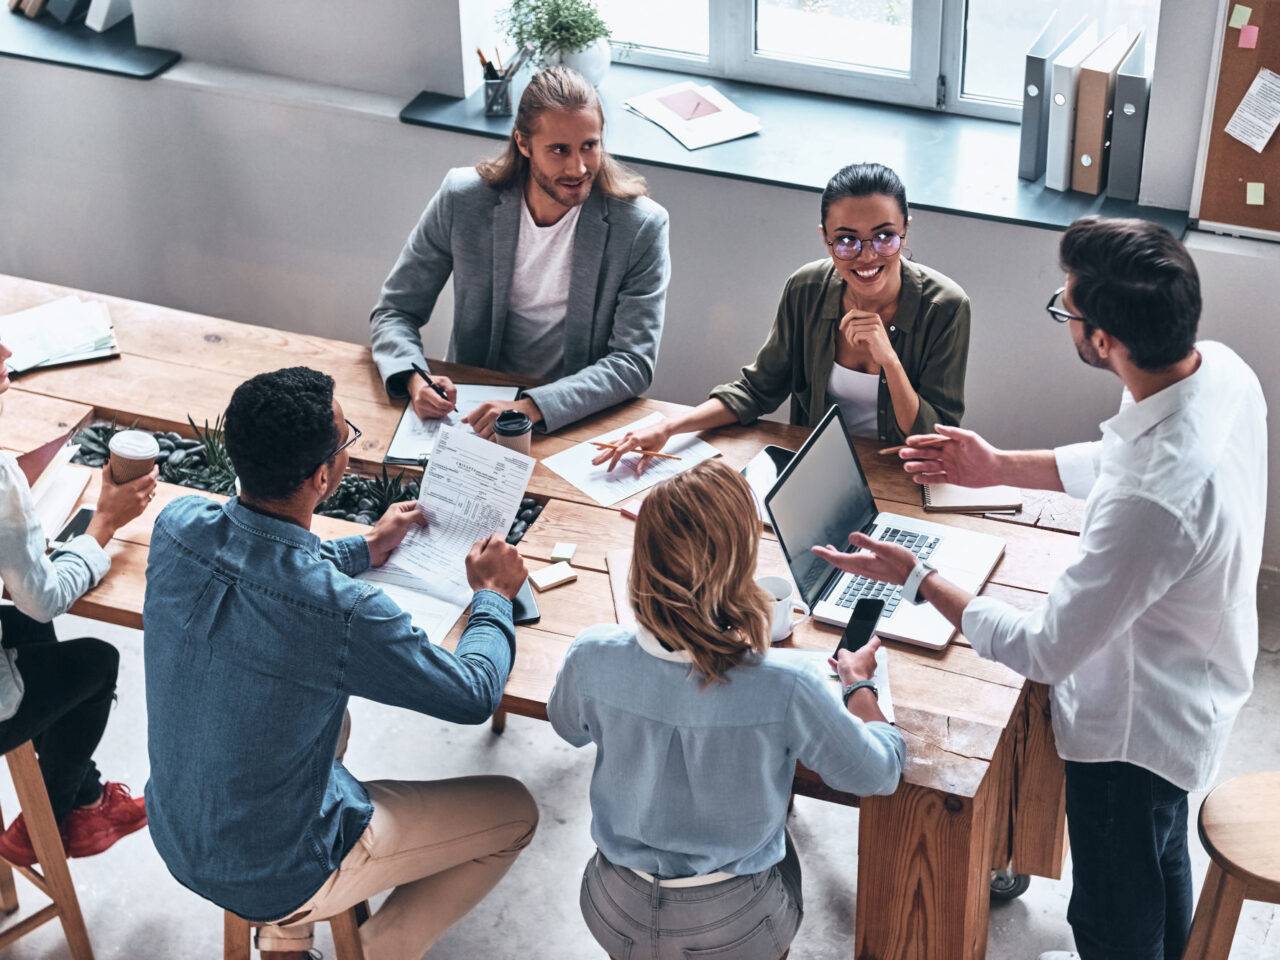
x,y
280,203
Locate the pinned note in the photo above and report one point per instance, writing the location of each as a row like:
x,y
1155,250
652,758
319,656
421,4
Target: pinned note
x,y
1249,37
1254,194
1240,16
1258,115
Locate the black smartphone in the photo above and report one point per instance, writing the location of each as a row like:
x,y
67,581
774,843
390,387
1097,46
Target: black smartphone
x,y
866,614
524,608
75,526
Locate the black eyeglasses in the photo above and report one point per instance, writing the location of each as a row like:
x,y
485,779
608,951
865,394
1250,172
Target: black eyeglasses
x,y
885,243
1055,311
353,434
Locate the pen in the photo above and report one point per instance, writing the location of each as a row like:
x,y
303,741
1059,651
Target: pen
x,y
489,72
644,453
431,383
931,442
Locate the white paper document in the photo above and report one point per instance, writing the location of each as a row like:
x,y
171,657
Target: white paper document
x,y
816,660
415,438
608,488
698,115
472,489
61,331
1255,120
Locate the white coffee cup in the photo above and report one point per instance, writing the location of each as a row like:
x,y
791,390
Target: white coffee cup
x,y
785,602
133,454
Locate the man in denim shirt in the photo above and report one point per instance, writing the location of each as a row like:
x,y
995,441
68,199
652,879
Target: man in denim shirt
x,y
256,635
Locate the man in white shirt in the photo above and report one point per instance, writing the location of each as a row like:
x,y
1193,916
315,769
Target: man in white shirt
x,y
559,264
1148,639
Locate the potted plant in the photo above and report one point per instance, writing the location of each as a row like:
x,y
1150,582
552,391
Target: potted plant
x,y
571,32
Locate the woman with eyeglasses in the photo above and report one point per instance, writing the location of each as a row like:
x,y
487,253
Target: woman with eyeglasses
x,y
882,336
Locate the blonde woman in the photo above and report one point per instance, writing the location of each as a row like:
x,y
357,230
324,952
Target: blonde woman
x,y
698,730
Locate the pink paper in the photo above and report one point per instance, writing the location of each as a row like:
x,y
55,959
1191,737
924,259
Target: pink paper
x,y
1249,36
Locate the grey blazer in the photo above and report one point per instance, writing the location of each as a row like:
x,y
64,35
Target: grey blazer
x,y
617,293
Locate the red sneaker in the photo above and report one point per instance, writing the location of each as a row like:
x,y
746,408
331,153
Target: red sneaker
x,y
15,844
90,830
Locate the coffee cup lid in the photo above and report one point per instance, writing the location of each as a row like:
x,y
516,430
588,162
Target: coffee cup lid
x,y
512,423
134,445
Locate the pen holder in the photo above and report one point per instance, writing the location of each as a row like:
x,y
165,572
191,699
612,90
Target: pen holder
x,y
497,97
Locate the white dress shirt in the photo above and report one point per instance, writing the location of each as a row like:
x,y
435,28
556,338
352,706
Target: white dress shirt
x,y
1149,639
41,587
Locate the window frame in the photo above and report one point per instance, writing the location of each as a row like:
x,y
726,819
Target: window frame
x,y
937,58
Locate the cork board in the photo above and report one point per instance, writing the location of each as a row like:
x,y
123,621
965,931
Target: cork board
x,y
1228,166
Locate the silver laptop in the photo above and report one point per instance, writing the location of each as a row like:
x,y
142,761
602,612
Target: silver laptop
x,y
822,497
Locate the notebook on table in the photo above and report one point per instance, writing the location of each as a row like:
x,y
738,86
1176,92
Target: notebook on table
x,y
950,498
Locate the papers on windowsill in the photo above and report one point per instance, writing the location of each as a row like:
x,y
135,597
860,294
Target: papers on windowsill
x,y
1258,115
415,439
698,115
471,489
608,487
66,330
816,660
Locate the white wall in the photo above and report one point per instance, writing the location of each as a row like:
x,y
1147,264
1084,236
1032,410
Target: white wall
x,y
281,203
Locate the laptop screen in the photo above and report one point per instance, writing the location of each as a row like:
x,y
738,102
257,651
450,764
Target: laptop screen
x,y
821,498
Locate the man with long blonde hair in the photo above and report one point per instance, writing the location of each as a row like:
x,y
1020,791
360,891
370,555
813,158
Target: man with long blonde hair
x,y
559,263
698,728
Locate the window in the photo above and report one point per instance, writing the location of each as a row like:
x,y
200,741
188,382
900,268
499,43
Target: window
x,y
965,56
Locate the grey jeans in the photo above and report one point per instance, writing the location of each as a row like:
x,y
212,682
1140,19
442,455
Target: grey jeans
x,y
745,918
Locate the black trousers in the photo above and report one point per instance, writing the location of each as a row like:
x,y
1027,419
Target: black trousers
x,y
69,688
1131,873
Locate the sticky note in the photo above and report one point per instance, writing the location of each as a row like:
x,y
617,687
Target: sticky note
x,y
564,551
1240,15
1249,36
553,576
1254,194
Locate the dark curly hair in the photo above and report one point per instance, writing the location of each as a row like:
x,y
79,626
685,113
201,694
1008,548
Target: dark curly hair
x,y
1133,279
280,429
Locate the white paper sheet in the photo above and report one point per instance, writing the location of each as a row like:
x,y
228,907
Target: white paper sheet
x,y
416,438
60,331
727,122
1255,120
624,481
471,489
816,660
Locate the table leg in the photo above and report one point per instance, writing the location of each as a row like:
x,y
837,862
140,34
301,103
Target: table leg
x,y
924,873
1039,794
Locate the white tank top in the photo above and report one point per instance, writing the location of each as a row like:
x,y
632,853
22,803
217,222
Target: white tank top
x,y
857,394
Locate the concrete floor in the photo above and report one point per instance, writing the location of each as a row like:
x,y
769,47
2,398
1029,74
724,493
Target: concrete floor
x,y
135,910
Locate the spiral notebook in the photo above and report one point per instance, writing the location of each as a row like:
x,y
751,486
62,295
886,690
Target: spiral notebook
x,y
949,498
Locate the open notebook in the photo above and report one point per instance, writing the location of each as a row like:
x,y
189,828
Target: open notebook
x,y
949,498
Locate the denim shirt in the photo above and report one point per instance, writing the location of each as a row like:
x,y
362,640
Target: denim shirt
x,y
255,636
692,779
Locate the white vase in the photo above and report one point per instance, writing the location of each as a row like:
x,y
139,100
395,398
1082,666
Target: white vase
x,y
592,61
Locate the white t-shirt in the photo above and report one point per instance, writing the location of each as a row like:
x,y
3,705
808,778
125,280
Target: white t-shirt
x,y
857,394
533,343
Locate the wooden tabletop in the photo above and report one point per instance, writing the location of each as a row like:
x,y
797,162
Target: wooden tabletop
x,y
951,705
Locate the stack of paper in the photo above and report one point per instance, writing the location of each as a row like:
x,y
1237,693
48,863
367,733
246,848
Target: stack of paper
x,y
415,438
471,490
61,331
697,115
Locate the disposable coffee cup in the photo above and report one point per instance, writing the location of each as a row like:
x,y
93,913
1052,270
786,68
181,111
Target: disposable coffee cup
x,y
513,430
133,454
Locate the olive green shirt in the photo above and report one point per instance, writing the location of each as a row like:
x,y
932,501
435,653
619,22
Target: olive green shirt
x,y
929,333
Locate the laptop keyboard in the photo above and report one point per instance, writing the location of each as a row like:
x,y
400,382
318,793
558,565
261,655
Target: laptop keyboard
x,y
921,544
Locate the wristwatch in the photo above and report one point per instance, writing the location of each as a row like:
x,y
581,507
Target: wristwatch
x,y
911,589
849,689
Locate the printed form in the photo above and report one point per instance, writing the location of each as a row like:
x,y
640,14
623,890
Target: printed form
x,y
471,490
415,438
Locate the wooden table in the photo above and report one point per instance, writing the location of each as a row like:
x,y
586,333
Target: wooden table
x,y
983,787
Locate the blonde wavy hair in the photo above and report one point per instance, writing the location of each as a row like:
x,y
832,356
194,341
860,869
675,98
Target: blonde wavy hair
x,y
694,565
564,90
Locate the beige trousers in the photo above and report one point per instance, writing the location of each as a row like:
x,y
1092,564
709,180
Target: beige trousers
x,y
441,844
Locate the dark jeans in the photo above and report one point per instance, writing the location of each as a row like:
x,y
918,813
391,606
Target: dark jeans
x,y
1131,874
69,687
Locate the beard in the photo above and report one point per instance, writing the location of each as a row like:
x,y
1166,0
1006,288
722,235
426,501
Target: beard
x,y
557,193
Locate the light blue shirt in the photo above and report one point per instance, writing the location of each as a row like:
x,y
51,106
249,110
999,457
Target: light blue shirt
x,y
691,779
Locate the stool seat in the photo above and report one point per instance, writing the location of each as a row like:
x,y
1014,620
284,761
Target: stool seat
x,y
1240,827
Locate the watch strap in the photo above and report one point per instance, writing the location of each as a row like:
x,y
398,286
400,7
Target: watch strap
x,y
911,589
849,689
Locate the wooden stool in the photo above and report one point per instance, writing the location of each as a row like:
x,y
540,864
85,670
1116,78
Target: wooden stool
x,y
55,882
1240,827
237,943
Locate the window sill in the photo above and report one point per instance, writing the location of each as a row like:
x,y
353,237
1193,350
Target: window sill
x,y
951,164
113,51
